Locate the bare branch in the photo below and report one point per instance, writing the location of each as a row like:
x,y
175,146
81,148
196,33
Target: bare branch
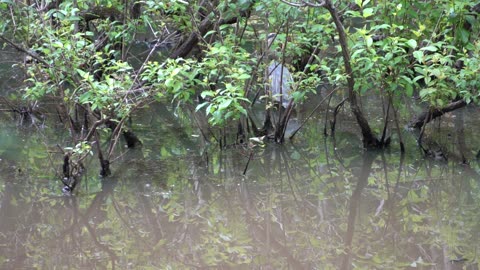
x,y
19,48
303,3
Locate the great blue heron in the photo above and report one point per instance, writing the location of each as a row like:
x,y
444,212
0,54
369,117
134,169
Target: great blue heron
x,y
279,77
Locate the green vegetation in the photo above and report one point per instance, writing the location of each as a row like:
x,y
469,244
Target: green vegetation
x,y
212,56
96,72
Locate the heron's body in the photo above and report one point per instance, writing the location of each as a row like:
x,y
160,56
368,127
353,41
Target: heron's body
x,y
280,83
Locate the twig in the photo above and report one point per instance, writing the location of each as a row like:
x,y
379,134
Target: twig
x,y
248,162
335,113
402,146
384,133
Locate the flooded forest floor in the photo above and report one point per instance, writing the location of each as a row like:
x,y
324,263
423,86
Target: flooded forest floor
x,y
180,202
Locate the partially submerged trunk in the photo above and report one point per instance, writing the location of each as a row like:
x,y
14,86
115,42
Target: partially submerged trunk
x,y
369,139
131,139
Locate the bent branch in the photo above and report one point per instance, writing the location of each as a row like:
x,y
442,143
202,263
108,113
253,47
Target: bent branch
x,y
428,115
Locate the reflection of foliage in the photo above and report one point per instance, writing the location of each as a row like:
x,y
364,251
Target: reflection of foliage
x,y
168,209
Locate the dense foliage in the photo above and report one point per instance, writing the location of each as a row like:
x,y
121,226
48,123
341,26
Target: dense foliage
x,y
98,62
213,55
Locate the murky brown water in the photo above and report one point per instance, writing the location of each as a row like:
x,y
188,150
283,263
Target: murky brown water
x,y
179,203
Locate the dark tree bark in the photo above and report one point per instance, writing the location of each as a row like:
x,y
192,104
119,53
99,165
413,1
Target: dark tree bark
x,y
100,12
66,166
205,25
130,138
135,11
192,40
105,168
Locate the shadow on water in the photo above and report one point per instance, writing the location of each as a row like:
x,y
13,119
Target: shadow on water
x,y
354,203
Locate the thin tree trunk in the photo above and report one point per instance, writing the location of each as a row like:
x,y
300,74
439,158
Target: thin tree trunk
x,y
369,139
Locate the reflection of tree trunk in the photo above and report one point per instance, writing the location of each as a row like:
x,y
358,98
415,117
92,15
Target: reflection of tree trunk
x,y
289,175
263,234
391,196
267,235
8,212
459,127
355,201
150,216
94,210
103,247
335,113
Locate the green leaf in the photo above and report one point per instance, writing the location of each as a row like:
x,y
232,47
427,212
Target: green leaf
x,y
200,106
409,90
85,98
169,82
388,56
412,43
406,79
74,18
225,104
367,12
243,76
418,56
369,41
176,71
429,48
436,72
209,33
464,35
418,78
440,102
356,52
57,44
240,109
82,73
205,94
427,92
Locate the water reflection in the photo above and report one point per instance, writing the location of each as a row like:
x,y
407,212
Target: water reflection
x,y
311,204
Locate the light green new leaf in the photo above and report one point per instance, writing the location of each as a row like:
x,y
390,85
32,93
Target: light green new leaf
x,y
429,48
418,56
367,12
412,43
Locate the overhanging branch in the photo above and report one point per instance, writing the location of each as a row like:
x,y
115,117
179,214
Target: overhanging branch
x,y
430,114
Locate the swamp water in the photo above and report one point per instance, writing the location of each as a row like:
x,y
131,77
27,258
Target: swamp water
x,y
179,203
